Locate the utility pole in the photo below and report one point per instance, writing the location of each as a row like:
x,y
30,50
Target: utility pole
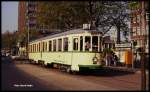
x,y
143,72
28,36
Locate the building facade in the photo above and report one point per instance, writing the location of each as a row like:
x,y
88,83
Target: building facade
x,y
31,11
21,16
140,26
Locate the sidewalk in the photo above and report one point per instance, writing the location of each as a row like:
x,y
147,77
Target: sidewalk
x,y
125,69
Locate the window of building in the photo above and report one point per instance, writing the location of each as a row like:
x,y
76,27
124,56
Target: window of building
x,y
138,31
50,45
147,29
147,16
54,45
134,19
65,44
95,43
75,44
59,44
81,43
138,18
134,31
87,43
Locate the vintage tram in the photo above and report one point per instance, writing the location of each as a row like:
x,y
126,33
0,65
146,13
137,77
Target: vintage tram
x,y
72,50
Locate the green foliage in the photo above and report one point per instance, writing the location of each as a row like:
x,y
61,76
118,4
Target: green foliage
x,y
106,51
67,15
63,14
133,4
9,39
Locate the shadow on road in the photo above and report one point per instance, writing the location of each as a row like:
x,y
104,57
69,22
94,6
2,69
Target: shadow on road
x,y
94,72
104,72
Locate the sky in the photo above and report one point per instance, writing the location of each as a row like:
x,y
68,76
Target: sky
x,y
9,16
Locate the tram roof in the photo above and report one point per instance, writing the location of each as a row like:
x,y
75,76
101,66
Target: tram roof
x,y
74,31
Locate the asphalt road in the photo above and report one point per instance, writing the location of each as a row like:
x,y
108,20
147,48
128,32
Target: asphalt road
x,y
15,79
17,76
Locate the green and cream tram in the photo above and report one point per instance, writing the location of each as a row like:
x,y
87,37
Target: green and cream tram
x,y
71,50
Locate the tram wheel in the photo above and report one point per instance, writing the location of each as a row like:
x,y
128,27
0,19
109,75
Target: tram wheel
x,y
68,70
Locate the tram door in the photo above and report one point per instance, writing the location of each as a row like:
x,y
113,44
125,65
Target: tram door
x,y
75,43
75,54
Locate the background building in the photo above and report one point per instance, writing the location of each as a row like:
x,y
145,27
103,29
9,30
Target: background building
x,y
31,9
21,16
140,26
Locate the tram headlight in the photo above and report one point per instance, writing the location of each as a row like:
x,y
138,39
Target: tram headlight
x,y
95,60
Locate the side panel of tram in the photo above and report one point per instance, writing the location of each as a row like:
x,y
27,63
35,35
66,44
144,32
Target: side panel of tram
x,y
73,57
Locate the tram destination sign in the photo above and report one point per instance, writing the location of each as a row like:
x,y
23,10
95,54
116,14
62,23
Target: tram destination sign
x,y
127,45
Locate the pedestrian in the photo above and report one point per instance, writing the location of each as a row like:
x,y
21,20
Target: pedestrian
x,y
137,60
108,59
115,60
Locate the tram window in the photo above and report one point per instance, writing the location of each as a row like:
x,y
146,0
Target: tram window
x,y
75,44
65,44
95,43
39,47
59,44
87,43
45,46
33,48
50,45
54,45
100,43
30,48
81,43
36,47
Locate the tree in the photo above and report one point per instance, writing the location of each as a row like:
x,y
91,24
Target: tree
x,y
113,14
9,39
64,15
71,14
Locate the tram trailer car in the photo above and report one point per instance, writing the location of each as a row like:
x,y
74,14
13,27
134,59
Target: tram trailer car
x,y
71,50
